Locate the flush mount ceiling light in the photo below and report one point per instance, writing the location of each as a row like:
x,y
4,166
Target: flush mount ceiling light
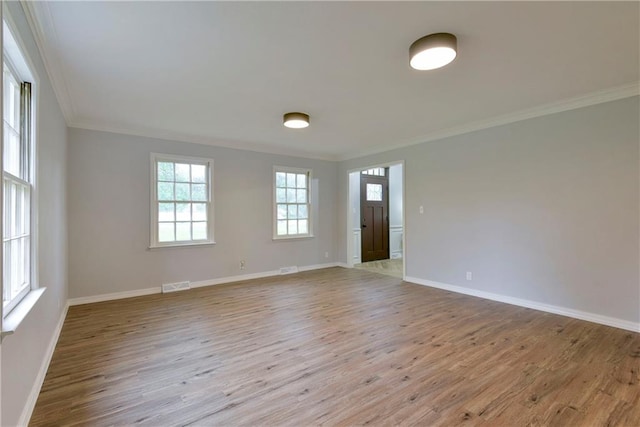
x,y
433,51
296,120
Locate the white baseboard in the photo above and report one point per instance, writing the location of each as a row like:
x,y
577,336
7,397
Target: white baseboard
x,y
114,296
242,277
196,284
319,266
343,265
30,404
563,311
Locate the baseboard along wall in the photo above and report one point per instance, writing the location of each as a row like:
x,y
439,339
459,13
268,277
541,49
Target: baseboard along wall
x,y
548,308
196,284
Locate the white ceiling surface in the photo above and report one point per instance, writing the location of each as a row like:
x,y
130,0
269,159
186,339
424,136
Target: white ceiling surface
x,y
224,73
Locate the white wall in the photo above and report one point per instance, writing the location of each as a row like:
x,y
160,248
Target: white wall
x,y
23,353
395,212
355,233
109,213
395,195
544,209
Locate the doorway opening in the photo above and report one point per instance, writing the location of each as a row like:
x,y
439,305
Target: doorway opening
x,y
376,220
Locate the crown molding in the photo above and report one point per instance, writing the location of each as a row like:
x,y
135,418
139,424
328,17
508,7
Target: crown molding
x,y
180,137
613,94
41,22
594,98
44,32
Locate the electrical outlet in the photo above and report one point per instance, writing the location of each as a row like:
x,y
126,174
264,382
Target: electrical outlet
x,y
242,264
326,254
421,209
469,276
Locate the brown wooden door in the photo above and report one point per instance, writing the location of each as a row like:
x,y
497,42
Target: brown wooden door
x,y
374,212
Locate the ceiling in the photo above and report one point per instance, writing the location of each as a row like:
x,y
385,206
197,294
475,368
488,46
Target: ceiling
x,y
223,73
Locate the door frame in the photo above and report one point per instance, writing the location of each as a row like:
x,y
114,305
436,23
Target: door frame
x,y
350,224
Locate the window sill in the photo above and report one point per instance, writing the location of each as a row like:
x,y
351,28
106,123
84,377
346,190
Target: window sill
x,y
182,245
12,320
286,238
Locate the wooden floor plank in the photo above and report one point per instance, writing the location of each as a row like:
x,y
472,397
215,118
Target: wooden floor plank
x,y
335,347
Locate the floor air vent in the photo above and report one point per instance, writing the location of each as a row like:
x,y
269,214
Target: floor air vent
x,y
288,270
174,287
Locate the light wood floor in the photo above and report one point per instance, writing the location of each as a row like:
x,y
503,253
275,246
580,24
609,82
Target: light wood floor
x,y
335,347
388,267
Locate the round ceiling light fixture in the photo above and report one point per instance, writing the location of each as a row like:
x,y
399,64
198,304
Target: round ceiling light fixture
x,y
296,120
433,51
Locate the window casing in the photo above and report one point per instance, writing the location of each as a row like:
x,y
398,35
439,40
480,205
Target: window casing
x,y
291,203
181,201
18,182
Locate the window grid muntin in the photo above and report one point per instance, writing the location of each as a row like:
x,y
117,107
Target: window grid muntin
x,y
16,238
374,172
374,192
13,144
17,190
182,230
292,202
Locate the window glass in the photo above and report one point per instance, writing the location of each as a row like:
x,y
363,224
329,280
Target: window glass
x,y
181,208
291,202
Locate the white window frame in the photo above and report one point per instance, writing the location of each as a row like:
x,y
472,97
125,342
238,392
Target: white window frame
x,y
158,157
20,65
309,173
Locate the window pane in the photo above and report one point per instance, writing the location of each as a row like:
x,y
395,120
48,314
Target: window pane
x,y
183,231
199,231
166,232
302,181
374,192
165,171
183,211
11,151
292,198
6,296
291,195
21,260
199,192
166,212
291,180
292,212
165,191
13,217
26,210
198,173
15,266
182,191
199,212
282,228
26,265
7,208
302,211
182,173
282,211
179,185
